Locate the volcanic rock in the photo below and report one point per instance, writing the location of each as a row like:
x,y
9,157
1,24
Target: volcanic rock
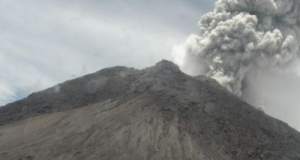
x,y
158,113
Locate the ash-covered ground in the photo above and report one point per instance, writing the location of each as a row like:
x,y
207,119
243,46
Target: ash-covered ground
x,y
155,113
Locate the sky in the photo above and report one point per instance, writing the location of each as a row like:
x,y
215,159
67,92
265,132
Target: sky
x,y
43,43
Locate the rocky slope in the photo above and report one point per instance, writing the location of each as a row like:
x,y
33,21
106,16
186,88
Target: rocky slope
x,y
157,113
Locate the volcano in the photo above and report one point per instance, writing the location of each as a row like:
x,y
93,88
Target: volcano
x,y
158,113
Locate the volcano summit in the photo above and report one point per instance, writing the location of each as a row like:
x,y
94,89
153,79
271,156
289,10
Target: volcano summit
x,y
155,113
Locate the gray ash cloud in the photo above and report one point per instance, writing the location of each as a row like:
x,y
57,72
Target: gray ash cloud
x,y
241,36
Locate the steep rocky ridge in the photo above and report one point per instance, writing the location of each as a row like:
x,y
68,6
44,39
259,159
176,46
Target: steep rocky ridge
x,y
155,113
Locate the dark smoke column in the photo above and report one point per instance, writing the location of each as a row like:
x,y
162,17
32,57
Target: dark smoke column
x,y
239,36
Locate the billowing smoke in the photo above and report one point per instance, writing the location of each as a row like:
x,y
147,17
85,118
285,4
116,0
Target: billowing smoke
x,y
240,36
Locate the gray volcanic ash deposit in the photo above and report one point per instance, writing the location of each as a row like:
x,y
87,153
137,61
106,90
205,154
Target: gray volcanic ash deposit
x,y
157,113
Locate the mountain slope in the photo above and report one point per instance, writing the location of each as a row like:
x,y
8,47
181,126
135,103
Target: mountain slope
x,y
155,113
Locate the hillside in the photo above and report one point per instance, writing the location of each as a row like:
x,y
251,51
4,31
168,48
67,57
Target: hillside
x,y
156,113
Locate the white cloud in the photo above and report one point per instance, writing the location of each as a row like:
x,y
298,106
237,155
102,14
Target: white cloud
x,y
43,43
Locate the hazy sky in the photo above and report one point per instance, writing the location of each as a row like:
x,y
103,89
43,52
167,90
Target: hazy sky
x,y
43,43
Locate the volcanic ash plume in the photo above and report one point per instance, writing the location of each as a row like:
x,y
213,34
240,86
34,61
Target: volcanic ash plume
x,y
240,36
